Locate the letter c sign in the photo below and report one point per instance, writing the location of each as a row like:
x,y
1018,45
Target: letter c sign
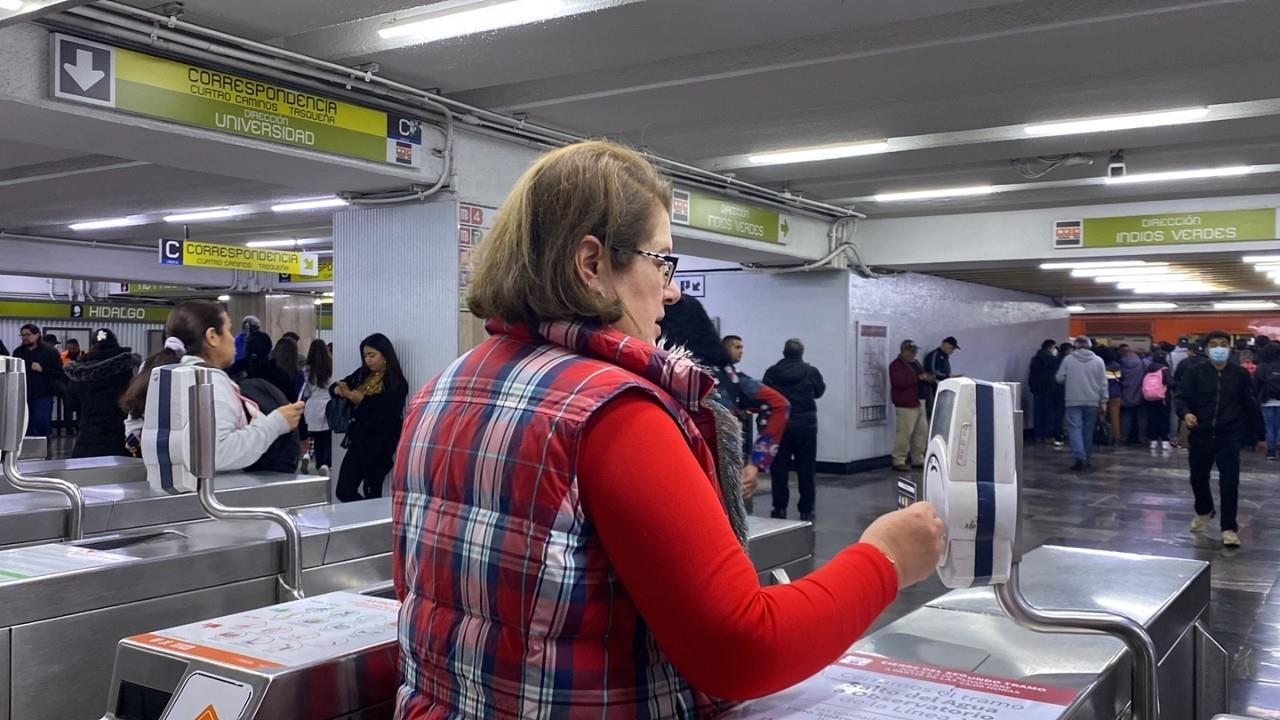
x,y
170,252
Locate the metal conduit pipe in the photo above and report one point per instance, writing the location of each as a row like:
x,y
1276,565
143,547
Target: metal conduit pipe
x,y
202,446
481,116
1142,651
13,426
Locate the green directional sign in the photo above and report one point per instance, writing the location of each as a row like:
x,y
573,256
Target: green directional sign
x,y
728,217
89,312
1186,228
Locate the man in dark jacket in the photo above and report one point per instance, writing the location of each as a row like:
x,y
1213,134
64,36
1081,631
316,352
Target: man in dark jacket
x,y
44,375
1132,404
802,385
1044,390
938,364
909,385
1216,401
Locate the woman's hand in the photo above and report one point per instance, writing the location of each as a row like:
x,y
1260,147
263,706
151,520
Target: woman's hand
x,y
355,396
341,390
911,538
750,480
292,414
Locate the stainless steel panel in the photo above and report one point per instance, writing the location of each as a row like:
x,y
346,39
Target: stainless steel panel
x,y
1211,678
366,527
774,543
88,471
6,642
1177,695
34,448
1167,595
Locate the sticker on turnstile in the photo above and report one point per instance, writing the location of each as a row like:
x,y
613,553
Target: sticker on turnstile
x,y
207,697
908,492
287,635
40,560
866,687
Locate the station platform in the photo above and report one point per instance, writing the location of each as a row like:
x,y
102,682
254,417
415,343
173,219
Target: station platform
x,y
1134,501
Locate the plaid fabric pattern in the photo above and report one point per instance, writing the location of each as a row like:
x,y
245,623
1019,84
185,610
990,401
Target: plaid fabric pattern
x,y
510,608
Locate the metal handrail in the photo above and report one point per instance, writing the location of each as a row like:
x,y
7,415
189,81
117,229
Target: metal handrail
x,y
202,455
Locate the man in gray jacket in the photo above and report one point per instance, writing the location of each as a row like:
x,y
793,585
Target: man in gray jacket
x,y
1085,377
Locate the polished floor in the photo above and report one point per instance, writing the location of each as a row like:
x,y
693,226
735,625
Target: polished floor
x,y
1135,501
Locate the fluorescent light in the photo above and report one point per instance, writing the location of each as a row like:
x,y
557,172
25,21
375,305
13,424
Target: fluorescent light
x,y
11,5
1144,279
1147,306
328,294
934,194
1152,269
1118,122
321,252
1261,258
814,154
1075,308
1168,289
1180,175
287,242
1245,305
314,204
98,224
213,214
224,298
1086,265
475,17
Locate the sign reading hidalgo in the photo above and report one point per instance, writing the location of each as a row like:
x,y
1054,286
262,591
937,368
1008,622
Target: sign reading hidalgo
x,y
98,312
1187,228
195,253
97,74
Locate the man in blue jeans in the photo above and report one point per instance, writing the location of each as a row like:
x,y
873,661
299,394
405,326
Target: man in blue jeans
x,y
44,372
1084,376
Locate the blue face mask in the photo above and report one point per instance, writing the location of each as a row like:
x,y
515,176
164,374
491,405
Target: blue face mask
x,y
1219,355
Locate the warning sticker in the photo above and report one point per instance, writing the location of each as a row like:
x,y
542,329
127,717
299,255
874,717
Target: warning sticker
x,y
288,635
207,697
865,687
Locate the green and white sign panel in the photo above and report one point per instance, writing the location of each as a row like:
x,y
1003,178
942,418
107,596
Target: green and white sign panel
x,y
89,312
727,217
1188,228
90,72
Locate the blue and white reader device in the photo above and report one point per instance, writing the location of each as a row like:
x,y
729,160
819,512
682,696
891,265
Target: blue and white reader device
x,y
971,477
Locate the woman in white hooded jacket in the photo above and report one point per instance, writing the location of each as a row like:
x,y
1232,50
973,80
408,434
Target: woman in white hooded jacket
x,y
199,332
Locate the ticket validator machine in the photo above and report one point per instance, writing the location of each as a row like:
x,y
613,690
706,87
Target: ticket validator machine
x,y
972,476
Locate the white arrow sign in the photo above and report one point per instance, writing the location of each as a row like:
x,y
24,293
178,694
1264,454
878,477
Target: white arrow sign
x,y
82,71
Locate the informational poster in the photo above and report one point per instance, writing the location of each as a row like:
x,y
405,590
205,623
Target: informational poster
x,y
872,353
473,222
865,687
1183,228
206,697
39,560
287,635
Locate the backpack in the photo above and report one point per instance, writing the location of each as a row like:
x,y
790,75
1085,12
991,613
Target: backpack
x,y
1271,382
1153,389
282,455
337,413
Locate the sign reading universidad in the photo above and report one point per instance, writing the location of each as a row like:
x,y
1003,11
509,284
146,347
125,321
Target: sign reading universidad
x,y
709,212
1187,228
197,253
96,74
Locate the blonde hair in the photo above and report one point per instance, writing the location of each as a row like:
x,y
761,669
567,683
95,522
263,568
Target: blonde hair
x,y
524,268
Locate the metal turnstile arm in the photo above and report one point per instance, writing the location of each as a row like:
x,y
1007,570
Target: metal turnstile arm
x,y
75,513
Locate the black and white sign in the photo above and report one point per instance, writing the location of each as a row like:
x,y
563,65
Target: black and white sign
x,y
693,285
84,71
170,252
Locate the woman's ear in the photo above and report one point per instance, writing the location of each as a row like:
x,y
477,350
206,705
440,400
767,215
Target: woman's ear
x,y
590,264
212,338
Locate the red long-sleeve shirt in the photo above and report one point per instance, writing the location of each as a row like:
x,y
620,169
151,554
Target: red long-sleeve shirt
x,y
669,541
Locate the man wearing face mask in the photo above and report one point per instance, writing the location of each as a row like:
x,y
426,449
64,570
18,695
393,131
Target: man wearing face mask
x,y
1216,401
1044,389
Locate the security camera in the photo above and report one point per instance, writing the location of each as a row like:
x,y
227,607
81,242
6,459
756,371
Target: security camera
x,y
1115,166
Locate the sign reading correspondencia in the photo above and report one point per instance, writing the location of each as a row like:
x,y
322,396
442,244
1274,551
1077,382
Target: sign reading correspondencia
x,y
195,253
90,72
1190,228
708,212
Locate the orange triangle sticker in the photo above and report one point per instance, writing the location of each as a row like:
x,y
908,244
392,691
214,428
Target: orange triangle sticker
x,y
208,714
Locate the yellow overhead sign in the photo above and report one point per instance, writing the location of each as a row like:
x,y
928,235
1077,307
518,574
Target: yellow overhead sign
x,y
325,273
196,253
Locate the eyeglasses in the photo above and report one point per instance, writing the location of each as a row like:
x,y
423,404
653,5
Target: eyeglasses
x,y
669,263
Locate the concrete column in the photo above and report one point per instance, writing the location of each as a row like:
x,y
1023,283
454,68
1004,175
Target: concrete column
x,y
396,272
242,304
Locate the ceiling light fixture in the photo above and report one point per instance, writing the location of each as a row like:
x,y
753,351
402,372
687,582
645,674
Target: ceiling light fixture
x,y
101,224
1152,269
934,194
287,242
1180,175
1147,306
224,298
1168,288
475,16
1086,265
11,5
1245,305
197,215
1075,308
313,204
1144,279
1261,258
815,154
1118,122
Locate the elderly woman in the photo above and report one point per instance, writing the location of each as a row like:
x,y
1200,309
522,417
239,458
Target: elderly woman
x,y
561,541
